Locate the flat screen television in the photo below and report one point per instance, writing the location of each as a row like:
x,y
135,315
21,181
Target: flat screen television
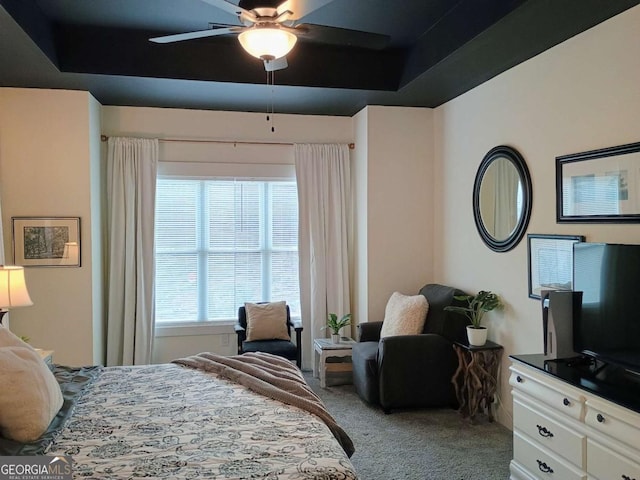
x,y
608,327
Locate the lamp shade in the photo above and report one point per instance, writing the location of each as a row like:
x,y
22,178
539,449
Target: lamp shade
x,y
267,43
13,288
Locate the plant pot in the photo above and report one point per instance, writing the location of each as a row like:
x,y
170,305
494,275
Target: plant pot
x,y
335,337
477,335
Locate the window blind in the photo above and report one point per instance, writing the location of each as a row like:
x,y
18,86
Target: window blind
x,y
220,243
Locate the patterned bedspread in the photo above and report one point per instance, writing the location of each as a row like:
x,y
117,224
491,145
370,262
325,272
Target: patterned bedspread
x,y
167,421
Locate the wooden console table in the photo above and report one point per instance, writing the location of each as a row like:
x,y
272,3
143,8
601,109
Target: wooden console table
x,y
476,378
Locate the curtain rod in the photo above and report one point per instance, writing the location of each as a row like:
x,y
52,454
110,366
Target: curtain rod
x,y
104,138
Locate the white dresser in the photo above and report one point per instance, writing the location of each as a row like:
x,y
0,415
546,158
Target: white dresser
x,y
563,430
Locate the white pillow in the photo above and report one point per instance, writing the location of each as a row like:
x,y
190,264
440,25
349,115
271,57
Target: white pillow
x,y
30,396
404,315
8,339
267,321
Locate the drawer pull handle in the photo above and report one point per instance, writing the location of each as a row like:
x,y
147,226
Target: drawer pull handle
x,y
600,418
544,432
544,467
519,379
627,477
566,402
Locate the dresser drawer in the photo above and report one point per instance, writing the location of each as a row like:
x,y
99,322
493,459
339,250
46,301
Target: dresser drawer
x,y
614,421
549,433
605,464
541,463
564,400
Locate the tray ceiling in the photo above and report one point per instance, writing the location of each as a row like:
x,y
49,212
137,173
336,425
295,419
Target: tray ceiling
x,y
438,49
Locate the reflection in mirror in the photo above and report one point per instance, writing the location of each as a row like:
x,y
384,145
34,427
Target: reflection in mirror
x,y
502,198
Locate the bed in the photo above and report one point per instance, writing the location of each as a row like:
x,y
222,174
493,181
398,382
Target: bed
x,y
201,417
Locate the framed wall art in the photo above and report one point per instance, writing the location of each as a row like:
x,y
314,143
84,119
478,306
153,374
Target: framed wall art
x,y
550,262
599,186
46,241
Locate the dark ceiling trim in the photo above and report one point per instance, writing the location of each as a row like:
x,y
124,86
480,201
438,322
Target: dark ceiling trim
x,y
529,30
466,20
31,19
119,66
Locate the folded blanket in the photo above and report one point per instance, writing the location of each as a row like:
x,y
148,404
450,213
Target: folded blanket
x,y
273,377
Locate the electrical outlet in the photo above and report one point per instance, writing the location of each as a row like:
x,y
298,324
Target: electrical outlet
x,y
224,340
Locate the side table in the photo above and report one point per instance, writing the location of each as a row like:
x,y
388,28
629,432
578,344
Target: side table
x,y
476,378
324,348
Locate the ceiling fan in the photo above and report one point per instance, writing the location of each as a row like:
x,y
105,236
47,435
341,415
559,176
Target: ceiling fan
x,y
270,30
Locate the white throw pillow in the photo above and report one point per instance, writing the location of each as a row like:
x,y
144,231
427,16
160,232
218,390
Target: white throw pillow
x,y
404,315
8,339
30,396
266,321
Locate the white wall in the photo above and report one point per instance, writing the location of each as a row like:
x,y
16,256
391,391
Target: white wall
x,y
394,209
180,123
360,191
415,196
581,95
47,163
97,179
393,172
223,159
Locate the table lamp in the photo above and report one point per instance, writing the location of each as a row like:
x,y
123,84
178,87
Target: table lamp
x,y
13,289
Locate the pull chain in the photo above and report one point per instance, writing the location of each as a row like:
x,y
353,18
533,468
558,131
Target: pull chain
x,y
270,108
273,83
268,117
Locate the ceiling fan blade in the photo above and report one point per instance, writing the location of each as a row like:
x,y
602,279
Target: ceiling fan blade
x,y
179,37
342,36
300,8
277,64
221,25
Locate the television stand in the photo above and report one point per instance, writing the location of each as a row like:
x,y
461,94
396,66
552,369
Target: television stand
x,y
569,424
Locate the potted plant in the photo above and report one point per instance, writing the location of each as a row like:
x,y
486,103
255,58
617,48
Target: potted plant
x,y
335,325
477,306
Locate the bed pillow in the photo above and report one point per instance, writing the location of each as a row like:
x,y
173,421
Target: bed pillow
x,y
30,396
8,339
404,315
266,321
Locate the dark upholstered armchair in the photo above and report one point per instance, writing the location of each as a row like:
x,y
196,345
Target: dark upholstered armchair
x,y
410,371
280,347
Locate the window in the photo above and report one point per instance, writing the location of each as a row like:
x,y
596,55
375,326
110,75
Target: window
x,y
220,243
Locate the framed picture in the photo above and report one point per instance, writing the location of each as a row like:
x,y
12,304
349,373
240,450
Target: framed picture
x,y
46,241
599,186
550,262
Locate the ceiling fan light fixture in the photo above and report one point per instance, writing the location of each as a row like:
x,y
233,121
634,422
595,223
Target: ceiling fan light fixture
x,y
267,43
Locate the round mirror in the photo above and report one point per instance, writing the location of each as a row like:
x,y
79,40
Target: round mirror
x,y
502,198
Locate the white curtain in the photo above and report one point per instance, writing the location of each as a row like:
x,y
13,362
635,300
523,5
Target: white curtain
x,y
131,190
506,211
324,195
